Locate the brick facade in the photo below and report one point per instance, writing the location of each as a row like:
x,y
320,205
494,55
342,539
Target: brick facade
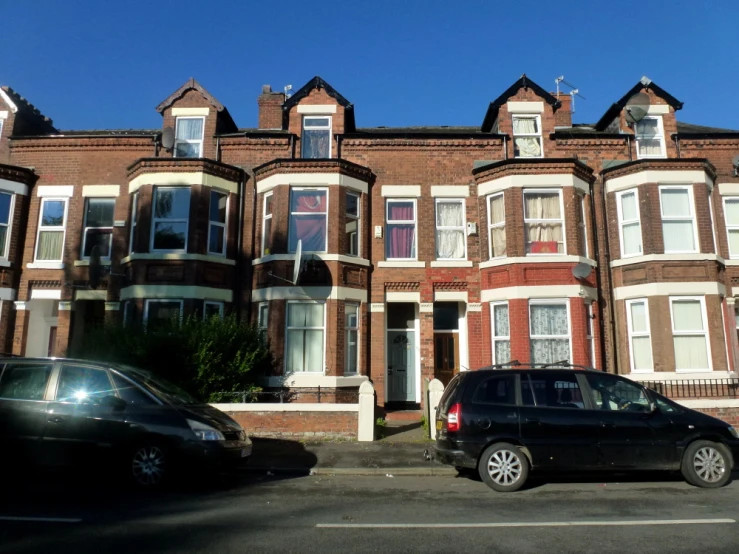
x,y
429,301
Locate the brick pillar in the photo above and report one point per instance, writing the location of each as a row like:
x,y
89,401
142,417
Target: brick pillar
x,y
20,336
426,326
377,350
478,337
64,327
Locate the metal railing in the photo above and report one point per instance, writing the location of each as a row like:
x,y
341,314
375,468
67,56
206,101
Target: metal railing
x,y
280,396
695,388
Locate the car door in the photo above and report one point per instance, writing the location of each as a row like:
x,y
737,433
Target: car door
x,y
489,411
23,387
555,424
629,428
84,415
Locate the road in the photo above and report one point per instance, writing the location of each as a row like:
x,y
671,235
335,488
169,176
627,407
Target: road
x,y
262,513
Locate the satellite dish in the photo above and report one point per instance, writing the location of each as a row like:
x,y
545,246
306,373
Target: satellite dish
x,y
168,138
637,107
298,261
582,271
95,271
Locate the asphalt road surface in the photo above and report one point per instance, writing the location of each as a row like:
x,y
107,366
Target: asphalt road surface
x,y
56,514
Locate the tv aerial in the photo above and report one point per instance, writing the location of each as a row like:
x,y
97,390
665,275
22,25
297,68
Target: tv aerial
x,y
637,107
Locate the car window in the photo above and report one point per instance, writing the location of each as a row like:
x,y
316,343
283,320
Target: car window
x,y
500,389
130,392
556,390
614,394
81,384
25,381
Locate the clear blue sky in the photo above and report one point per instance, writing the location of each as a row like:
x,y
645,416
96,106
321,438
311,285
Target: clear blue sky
x,y
105,64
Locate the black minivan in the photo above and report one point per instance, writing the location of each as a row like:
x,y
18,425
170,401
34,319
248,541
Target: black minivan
x,y
56,411
506,422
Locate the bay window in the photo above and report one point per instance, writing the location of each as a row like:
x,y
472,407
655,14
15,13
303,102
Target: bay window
x,y
316,137
450,230
308,219
6,209
689,333
98,226
400,218
189,137
678,219
640,340
51,230
549,331
217,224
496,225
171,219
650,138
543,222
304,344
629,222
527,136
501,332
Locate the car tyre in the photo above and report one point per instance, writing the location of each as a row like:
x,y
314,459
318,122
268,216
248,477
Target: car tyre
x,y
503,467
707,464
149,465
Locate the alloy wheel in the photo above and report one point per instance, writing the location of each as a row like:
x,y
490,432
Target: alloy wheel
x,y
148,465
709,464
504,467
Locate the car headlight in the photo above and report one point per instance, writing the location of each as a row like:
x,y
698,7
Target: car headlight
x,y
205,432
734,432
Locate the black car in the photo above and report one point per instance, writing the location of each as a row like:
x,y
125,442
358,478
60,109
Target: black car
x,y
506,422
62,412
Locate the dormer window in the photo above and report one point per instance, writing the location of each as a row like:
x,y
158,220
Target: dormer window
x,y
189,137
527,136
650,138
316,139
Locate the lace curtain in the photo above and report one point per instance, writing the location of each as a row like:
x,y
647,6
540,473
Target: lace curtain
x,y
449,242
526,147
549,321
543,236
497,229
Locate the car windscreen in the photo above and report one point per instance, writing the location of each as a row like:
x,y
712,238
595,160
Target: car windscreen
x,y
158,385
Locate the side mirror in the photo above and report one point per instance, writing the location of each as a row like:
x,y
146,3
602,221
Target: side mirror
x,y
117,404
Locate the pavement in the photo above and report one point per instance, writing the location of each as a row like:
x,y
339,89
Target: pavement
x,y
399,451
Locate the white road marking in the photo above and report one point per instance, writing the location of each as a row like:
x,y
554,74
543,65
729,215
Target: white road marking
x,y
607,523
42,519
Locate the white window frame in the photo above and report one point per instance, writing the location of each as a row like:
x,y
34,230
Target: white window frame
x,y
623,223
150,301
134,221
322,371
265,217
184,141
223,225
692,333
328,128
221,306
539,135
42,228
492,226
263,322
402,222
85,228
561,220
660,136
691,203
730,227
550,302
583,227
155,220
499,338
437,228
640,334
9,226
347,329
358,219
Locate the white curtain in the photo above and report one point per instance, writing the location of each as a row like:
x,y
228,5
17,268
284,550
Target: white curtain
x,y
449,242
497,234
691,350
50,245
543,236
526,147
549,320
304,345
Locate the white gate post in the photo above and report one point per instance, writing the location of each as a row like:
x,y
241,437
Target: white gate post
x,y
366,416
436,389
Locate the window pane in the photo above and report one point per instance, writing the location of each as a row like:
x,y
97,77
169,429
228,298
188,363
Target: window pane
x,y
691,352
170,236
101,239
172,203
639,317
99,213
675,202
687,315
50,245
496,390
53,213
83,384
642,352
316,143
731,210
5,208
24,381
446,316
218,207
190,129
629,209
678,235
632,239
501,326
216,239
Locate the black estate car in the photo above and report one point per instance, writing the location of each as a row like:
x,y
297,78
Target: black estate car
x,y
505,422
57,411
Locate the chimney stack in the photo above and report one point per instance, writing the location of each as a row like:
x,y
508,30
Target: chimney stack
x,y
270,108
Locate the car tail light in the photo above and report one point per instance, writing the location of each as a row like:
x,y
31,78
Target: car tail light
x,y
454,418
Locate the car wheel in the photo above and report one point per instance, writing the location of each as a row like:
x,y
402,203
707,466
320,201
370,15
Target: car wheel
x,y
707,464
149,465
503,467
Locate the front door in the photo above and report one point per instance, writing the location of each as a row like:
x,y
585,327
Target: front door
x,y
446,356
401,365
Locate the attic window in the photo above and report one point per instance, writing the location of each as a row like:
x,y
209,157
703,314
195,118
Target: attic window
x,y
316,137
527,136
189,137
650,138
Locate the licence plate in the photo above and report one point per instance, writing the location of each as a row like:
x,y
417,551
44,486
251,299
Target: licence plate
x,y
438,425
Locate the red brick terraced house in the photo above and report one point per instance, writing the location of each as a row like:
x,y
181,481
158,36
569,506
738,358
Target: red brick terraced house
x,y
425,250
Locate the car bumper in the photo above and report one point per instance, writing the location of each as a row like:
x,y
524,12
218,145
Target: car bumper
x,y
456,458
